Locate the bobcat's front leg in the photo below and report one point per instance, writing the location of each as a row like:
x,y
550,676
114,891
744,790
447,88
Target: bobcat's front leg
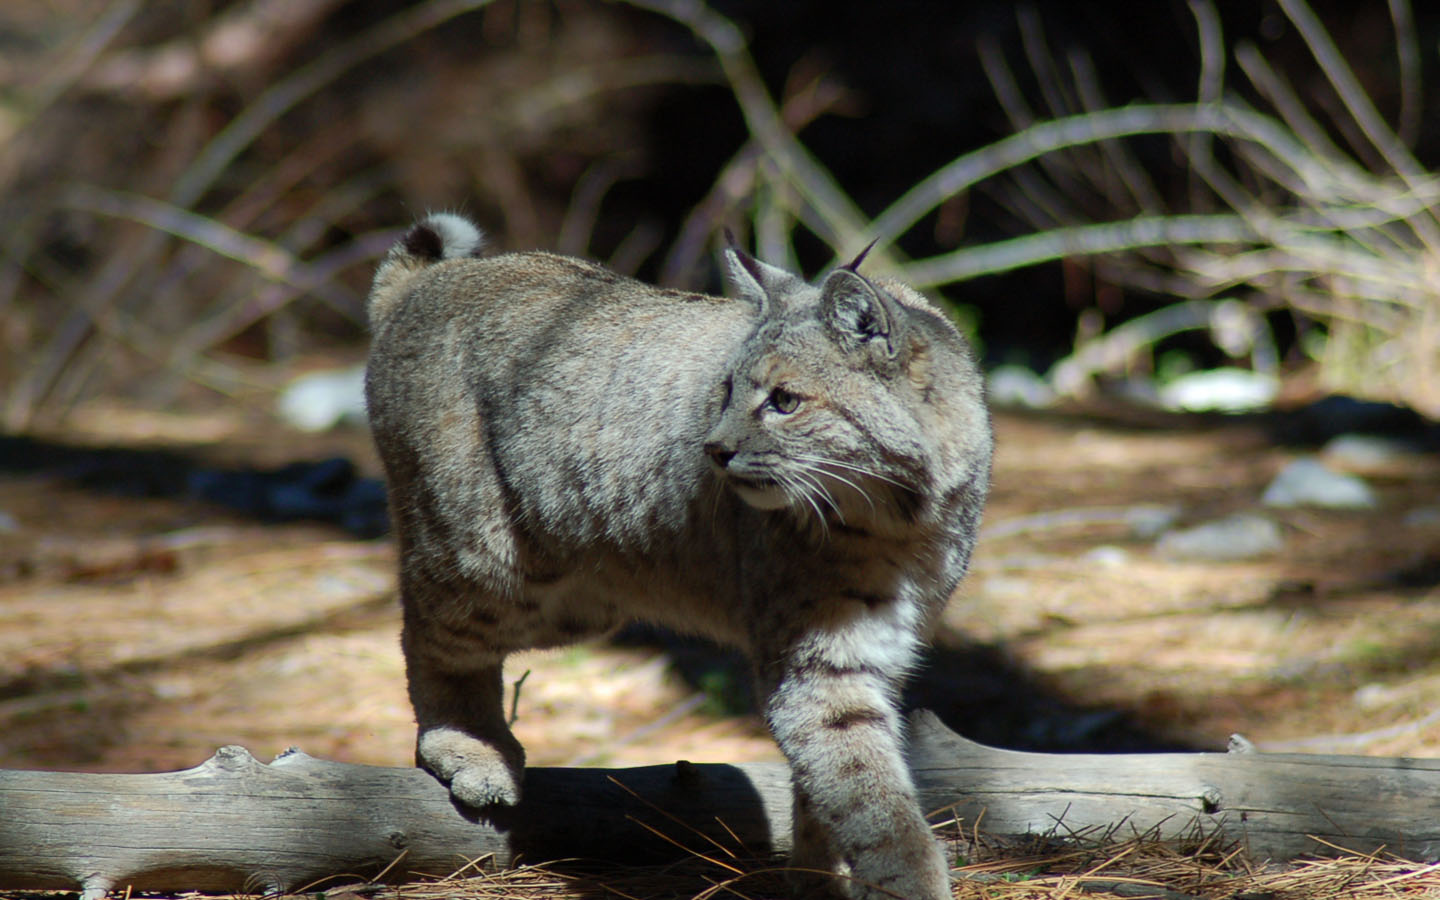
x,y
463,739
832,711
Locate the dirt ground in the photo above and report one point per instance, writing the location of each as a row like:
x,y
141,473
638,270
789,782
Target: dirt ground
x,y
139,633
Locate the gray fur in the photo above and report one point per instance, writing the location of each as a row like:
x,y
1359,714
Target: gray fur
x,y
798,472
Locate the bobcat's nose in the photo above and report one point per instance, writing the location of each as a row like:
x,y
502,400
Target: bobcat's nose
x,y
719,453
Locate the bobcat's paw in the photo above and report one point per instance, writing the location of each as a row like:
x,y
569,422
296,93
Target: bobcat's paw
x,y
487,785
479,773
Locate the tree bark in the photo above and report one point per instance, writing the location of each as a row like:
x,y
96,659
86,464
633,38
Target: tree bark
x,y
233,823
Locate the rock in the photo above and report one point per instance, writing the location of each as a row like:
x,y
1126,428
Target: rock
x,y
1368,454
1307,482
1107,556
1150,520
1220,390
1374,696
1241,536
1143,520
321,400
1016,387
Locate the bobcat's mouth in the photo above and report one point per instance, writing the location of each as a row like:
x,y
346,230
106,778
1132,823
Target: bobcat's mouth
x,y
749,476
760,492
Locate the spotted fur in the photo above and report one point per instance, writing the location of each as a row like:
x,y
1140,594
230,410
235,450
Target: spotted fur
x,y
798,471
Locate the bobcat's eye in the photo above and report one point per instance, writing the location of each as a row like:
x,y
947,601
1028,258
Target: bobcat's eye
x,y
783,402
725,389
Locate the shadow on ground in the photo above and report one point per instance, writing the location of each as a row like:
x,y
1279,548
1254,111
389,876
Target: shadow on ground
x,y
329,490
974,689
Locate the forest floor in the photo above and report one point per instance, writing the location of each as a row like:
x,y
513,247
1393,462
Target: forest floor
x,y
139,633
141,628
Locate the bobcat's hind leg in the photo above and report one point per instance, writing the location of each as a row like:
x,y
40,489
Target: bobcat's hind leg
x,y
457,690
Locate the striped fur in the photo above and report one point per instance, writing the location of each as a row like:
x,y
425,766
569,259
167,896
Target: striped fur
x,y
798,470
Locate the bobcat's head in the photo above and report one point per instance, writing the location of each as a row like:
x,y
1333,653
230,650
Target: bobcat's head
x,y
831,406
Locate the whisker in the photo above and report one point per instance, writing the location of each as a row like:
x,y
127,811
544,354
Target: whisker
x,y
788,482
719,491
853,467
864,494
807,477
856,468
815,496
820,469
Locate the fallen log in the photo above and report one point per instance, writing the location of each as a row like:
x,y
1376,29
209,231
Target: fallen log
x,y
233,823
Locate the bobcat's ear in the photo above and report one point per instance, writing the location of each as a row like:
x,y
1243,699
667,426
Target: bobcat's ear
x,y
859,315
750,279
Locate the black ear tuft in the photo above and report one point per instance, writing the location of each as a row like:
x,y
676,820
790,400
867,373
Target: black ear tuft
x,y
752,266
424,242
854,265
767,287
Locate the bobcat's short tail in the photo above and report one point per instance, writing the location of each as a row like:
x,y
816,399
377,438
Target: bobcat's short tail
x,y
439,236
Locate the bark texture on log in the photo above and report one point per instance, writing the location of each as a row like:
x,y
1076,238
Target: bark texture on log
x,y
233,823
1275,806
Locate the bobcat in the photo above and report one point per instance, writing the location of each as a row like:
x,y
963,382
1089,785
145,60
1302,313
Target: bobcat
x,y
798,471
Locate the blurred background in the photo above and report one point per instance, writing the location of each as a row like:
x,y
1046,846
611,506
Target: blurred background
x,y
195,193
1196,243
